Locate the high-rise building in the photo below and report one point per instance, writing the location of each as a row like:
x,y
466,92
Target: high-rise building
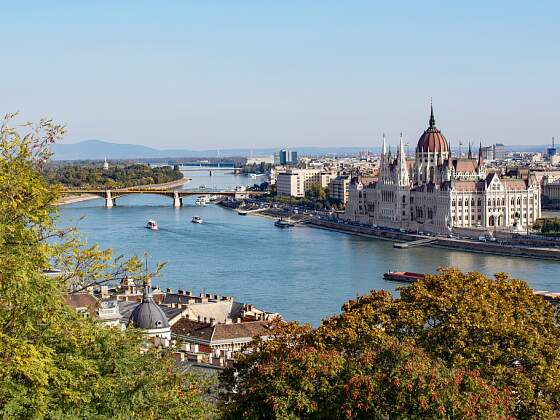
x,y
287,157
551,151
499,151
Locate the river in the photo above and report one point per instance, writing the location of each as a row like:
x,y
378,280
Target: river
x,y
304,273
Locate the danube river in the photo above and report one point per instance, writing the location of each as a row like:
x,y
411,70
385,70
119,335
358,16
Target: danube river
x,y
304,273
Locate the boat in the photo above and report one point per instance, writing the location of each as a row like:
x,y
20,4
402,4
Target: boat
x,y
152,225
403,276
202,187
201,201
197,219
283,224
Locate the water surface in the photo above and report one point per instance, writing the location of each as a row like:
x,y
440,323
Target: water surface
x,y
304,273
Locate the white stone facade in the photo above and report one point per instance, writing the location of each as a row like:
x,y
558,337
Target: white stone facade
x,y
436,193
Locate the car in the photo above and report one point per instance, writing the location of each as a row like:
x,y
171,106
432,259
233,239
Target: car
x,y
482,238
450,236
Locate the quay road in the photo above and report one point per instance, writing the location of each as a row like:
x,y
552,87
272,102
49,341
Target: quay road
x,y
529,246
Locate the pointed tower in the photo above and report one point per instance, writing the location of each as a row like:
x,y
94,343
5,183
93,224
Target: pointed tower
x,y
470,151
105,165
480,160
402,169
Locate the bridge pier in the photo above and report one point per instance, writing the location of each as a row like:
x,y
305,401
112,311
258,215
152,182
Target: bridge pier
x,y
177,200
109,200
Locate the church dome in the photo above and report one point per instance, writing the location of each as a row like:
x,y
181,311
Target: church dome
x,y
432,140
148,315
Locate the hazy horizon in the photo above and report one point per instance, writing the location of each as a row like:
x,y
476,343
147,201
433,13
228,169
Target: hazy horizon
x,y
248,74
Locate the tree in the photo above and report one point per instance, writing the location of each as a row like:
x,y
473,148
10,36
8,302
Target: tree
x,y
468,321
53,362
451,346
295,375
316,192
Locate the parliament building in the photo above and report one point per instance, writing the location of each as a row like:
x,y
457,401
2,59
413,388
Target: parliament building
x,y
435,192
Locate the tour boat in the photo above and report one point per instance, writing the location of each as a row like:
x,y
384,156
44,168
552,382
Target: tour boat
x,y
201,201
283,224
404,276
152,225
197,219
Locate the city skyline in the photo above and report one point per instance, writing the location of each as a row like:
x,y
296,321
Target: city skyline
x,y
250,75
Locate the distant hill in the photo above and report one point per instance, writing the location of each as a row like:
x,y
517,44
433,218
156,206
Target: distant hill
x,y
98,149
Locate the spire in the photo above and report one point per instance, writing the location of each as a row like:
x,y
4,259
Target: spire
x,y
432,119
480,156
384,147
470,152
402,168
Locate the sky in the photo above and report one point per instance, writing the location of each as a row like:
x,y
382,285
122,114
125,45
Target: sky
x,y
256,74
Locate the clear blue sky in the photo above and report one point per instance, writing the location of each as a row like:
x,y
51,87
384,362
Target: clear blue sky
x,y
207,74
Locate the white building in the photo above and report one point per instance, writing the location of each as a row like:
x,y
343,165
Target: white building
x,y
339,188
435,193
296,182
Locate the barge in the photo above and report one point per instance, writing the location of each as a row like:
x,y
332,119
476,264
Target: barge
x,y
403,276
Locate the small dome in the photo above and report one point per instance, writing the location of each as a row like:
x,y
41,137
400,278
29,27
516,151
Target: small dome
x,y
432,140
148,315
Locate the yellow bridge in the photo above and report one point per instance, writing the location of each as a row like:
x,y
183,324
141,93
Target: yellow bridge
x,y
110,196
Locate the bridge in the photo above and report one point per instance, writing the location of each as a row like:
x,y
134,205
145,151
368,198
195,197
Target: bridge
x,y
111,196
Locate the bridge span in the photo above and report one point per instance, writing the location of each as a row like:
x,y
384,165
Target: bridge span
x,y
111,196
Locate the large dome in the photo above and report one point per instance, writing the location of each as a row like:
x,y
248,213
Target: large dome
x,y
148,315
432,140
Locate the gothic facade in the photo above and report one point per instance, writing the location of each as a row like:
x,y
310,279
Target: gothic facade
x,y
434,192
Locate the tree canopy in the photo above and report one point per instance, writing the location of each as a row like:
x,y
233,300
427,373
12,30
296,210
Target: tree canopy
x,y
117,176
455,345
53,362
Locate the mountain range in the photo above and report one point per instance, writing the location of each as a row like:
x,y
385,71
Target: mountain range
x,y
98,150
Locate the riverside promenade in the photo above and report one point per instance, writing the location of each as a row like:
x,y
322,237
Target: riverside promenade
x,y
507,249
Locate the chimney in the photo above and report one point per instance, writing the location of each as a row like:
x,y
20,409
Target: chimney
x,y
169,290
188,293
180,291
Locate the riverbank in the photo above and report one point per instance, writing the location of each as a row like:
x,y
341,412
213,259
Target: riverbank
x,y
440,242
69,199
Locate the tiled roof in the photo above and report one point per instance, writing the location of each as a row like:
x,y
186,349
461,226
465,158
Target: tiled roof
x,y
465,165
187,327
81,300
468,185
241,330
515,184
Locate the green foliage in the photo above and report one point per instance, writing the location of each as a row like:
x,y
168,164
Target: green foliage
x,y
256,168
549,225
119,176
454,345
53,362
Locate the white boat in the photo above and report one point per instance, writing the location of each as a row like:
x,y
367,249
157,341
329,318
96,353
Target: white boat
x,y
202,187
197,219
152,225
202,201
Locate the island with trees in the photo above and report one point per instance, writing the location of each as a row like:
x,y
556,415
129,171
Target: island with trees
x,y
116,176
